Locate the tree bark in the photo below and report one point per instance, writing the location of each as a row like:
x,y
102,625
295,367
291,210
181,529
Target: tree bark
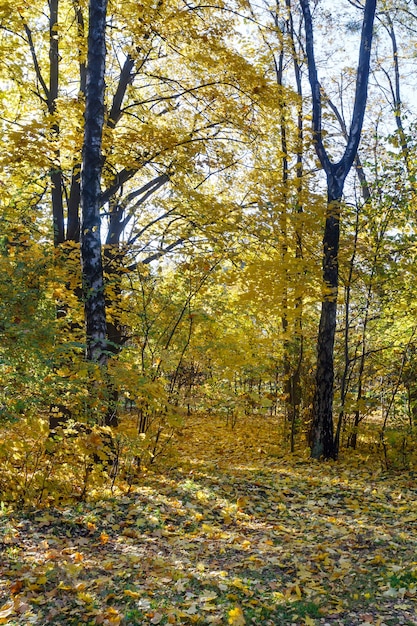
x,y
323,443
91,249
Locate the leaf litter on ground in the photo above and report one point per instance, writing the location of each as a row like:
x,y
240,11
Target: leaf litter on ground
x,y
229,531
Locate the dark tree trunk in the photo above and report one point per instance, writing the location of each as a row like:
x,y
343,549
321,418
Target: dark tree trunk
x,y
56,174
92,267
323,443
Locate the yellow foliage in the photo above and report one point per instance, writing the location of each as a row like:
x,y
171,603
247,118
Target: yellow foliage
x,y
236,617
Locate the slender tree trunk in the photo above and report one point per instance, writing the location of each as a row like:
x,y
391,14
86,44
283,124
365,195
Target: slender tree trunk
x,y
396,93
283,219
73,221
56,174
297,395
92,267
292,342
323,443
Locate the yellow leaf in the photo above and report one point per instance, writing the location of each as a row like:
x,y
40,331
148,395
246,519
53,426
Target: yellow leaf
x,y
378,559
235,617
64,587
87,598
112,617
241,502
59,292
131,594
5,611
239,584
207,528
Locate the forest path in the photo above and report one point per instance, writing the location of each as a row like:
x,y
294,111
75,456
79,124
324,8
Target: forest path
x,y
222,532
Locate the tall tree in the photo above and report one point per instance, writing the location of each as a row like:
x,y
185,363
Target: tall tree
x,y
92,267
323,443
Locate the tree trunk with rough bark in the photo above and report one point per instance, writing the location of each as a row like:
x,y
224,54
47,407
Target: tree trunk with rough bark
x,y
91,248
323,442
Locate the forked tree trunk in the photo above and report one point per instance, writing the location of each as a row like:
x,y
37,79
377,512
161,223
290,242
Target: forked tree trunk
x,y
323,443
92,267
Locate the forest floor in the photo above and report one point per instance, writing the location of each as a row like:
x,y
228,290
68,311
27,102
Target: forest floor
x,y
223,532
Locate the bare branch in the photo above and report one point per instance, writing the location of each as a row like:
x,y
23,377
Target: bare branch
x,y
35,60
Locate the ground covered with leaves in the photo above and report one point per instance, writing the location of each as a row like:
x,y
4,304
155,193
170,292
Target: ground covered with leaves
x,y
226,532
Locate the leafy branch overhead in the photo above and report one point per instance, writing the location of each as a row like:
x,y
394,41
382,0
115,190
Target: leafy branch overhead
x,y
207,288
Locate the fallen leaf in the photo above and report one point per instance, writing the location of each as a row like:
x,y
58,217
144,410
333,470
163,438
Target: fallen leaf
x,y
235,617
6,610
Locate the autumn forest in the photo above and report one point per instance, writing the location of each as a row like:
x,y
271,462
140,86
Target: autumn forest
x,y
208,358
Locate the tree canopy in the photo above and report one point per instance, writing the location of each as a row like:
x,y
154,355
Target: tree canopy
x,y
208,209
